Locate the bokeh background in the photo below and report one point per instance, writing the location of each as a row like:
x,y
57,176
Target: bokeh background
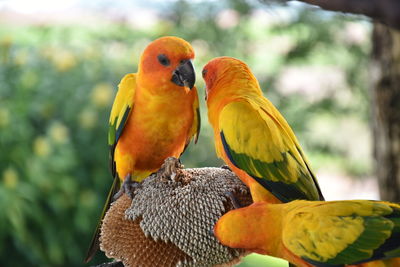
x,y
61,61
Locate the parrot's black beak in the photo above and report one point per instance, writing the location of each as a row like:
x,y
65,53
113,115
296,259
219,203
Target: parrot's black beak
x,y
184,74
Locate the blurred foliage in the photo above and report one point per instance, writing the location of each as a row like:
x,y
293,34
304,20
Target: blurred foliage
x,y
257,260
57,84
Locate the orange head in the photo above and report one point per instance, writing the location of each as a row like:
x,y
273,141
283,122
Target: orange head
x,y
227,74
227,79
167,63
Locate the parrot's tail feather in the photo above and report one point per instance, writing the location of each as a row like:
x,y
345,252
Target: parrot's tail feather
x,y
95,243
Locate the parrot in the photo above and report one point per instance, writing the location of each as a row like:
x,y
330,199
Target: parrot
x,y
253,138
154,116
317,233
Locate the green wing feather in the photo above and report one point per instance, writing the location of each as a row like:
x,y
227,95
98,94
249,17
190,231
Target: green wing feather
x,y
120,112
258,140
344,232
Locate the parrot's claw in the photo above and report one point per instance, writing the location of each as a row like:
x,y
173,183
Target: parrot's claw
x,y
225,167
234,201
127,187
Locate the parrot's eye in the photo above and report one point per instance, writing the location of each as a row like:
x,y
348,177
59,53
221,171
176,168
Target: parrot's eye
x,y
163,59
204,72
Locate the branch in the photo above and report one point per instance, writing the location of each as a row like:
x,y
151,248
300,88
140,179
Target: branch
x,y
385,11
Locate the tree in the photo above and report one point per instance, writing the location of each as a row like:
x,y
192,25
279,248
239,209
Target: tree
x,y
386,110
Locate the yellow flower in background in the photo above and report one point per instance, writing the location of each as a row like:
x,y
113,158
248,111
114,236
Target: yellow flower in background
x,y
88,118
102,95
29,79
41,146
10,178
59,133
90,53
47,52
6,41
5,45
21,57
64,60
4,117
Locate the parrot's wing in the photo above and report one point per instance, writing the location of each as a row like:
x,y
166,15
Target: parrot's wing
x,y
343,232
195,129
120,112
256,142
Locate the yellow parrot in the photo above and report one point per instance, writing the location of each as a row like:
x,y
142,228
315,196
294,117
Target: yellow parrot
x,y
317,233
253,138
154,116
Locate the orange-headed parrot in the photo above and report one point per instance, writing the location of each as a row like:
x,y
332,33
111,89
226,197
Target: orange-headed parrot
x,y
316,233
253,138
154,116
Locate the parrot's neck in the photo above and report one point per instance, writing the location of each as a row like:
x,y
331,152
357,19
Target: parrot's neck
x,y
272,245
164,94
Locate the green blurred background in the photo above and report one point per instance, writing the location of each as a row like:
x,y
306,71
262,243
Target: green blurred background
x,y
60,63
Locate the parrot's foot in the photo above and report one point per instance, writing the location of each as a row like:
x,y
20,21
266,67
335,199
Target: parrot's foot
x,y
225,167
127,187
234,201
